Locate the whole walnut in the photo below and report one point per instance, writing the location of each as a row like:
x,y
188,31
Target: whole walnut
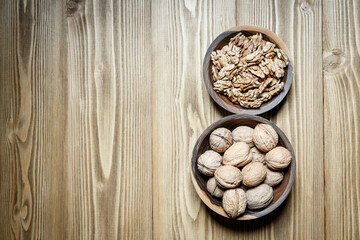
x,y
208,162
213,188
228,176
265,137
234,202
259,197
238,155
243,134
278,158
257,155
220,139
253,174
273,178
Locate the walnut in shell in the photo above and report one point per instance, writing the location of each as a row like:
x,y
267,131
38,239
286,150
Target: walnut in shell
x,y
278,158
257,155
234,202
253,174
238,155
213,188
220,139
243,134
228,176
273,178
208,162
265,137
259,197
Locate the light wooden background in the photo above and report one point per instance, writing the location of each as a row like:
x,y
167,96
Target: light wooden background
x,y
101,103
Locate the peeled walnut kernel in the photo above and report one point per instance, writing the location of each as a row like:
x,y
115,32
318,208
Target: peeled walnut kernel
x,y
253,174
278,158
257,155
208,162
228,176
243,134
265,137
243,69
220,139
234,202
237,155
213,188
273,178
259,197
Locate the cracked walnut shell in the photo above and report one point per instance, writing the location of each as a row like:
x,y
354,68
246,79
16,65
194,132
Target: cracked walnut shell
x,y
208,162
220,139
228,176
273,178
265,137
259,197
238,155
234,202
243,134
253,174
278,158
213,188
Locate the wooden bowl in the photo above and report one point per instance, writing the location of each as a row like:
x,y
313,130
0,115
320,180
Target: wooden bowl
x,y
224,39
199,180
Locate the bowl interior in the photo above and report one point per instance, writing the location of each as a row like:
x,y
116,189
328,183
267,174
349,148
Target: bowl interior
x,y
221,99
280,192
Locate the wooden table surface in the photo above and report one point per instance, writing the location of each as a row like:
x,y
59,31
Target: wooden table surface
x,y
101,103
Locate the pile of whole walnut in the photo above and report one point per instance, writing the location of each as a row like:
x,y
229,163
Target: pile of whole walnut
x,y
251,165
248,70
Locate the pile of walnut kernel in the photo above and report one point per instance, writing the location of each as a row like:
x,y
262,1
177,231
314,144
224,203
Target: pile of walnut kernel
x,y
243,166
248,70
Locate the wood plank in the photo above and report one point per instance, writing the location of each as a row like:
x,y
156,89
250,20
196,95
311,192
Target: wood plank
x,y
341,65
177,210
182,109
108,116
32,83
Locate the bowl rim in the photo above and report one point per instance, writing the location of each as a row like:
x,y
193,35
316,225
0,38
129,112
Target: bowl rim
x,y
274,101
219,210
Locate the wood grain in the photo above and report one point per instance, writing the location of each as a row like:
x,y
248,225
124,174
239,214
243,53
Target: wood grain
x,y
341,65
73,112
109,154
101,103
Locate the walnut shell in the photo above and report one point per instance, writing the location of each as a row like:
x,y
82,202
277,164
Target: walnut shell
x,y
234,202
237,155
257,155
259,197
213,188
243,134
208,162
253,174
273,178
220,139
278,158
228,176
265,137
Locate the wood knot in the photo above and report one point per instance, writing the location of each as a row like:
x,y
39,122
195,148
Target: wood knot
x,y
305,7
334,61
72,7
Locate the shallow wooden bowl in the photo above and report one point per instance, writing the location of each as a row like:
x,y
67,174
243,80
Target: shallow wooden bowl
x,y
224,39
199,180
